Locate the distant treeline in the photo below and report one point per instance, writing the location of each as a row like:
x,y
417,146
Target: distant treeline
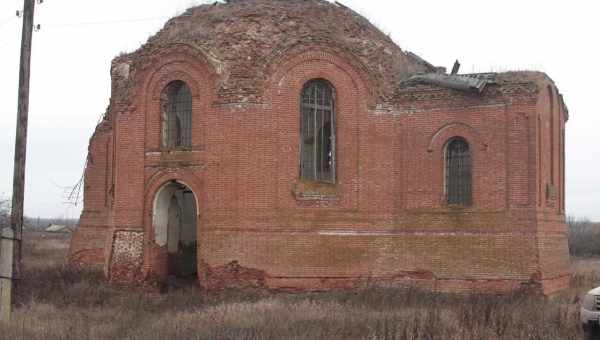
x,y
584,237
43,223
30,222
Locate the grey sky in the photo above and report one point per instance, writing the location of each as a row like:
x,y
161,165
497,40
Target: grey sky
x,y
70,84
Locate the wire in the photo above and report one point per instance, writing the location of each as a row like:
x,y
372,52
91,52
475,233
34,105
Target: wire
x,y
7,20
5,43
106,22
5,39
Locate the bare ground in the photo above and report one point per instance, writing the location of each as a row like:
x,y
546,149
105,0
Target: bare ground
x,y
56,303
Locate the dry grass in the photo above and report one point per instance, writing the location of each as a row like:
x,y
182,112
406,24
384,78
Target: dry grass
x,y
55,303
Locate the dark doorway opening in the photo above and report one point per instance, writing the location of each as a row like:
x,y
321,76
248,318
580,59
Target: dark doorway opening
x,y
175,231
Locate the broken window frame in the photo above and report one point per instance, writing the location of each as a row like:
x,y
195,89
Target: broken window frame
x,y
458,173
177,116
317,114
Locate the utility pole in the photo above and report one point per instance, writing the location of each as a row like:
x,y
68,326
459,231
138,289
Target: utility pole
x,y
10,263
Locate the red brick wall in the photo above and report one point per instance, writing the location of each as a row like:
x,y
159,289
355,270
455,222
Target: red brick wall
x,y
89,243
385,219
552,229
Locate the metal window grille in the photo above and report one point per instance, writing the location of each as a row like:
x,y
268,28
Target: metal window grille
x,y
458,173
317,131
178,116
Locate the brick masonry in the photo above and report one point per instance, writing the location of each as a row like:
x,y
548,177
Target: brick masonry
x,y
383,221
127,256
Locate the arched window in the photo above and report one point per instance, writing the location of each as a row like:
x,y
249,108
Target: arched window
x,y
317,132
458,172
177,115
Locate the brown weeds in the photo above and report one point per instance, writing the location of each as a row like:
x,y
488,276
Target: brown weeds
x,y
57,303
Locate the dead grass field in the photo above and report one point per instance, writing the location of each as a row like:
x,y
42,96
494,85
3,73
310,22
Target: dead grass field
x,y
55,303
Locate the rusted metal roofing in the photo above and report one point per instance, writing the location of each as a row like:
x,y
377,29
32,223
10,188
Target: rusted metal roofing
x,y
466,82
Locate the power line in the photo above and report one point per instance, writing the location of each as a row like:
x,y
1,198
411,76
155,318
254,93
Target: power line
x,y
7,20
124,21
19,9
4,43
92,23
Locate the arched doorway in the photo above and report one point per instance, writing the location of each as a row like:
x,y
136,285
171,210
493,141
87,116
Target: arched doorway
x,y
175,231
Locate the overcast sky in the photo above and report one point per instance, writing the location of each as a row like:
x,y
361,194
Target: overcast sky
x,y
70,84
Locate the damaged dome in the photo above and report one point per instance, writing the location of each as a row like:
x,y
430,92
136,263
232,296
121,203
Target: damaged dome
x,y
242,38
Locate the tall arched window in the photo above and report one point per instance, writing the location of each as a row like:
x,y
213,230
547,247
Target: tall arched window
x,y
317,132
458,172
177,115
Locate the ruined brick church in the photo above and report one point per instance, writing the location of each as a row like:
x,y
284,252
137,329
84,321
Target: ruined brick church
x,y
291,145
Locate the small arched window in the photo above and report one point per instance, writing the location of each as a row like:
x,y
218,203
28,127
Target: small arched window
x,y
317,132
458,172
177,115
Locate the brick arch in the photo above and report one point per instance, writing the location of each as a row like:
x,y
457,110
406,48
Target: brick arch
x,y
183,175
162,177
167,64
303,56
291,76
174,72
443,134
152,188
148,66
175,62
437,147
351,103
